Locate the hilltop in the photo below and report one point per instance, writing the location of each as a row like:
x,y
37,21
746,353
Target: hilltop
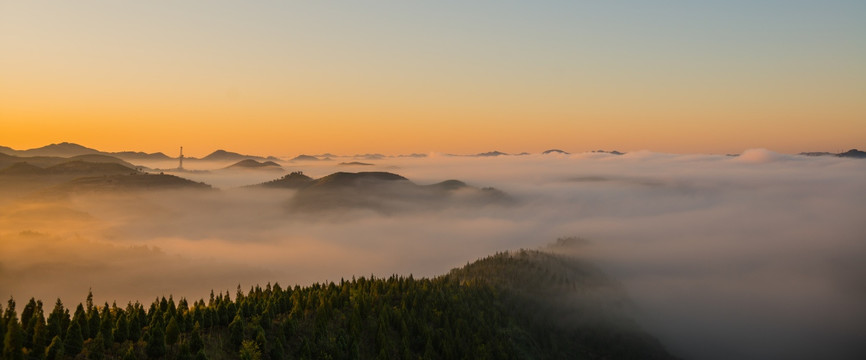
x,y
250,164
380,191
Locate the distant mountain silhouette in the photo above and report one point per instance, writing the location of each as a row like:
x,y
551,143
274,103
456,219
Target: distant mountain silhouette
x,y
129,182
853,153
491,153
85,167
816,153
75,166
303,157
382,192
413,155
63,149
355,163
613,152
252,164
554,151
294,180
222,155
134,156
369,156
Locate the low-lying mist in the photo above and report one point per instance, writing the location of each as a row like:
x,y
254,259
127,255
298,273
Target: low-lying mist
x,y
751,257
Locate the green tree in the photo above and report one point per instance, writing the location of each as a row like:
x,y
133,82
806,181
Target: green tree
x,y
55,349
96,347
195,341
156,340
134,327
250,351
121,328
74,340
55,320
14,341
129,354
40,337
172,333
106,326
236,331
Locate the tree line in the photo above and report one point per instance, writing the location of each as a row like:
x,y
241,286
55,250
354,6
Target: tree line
x,y
397,317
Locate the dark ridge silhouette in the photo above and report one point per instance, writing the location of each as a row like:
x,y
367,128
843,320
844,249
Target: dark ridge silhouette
x,y
222,155
90,168
554,151
294,180
449,185
613,152
252,164
129,181
360,179
134,156
23,169
413,155
63,149
303,157
491,153
853,153
100,158
369,156
383,192
816,153
355,163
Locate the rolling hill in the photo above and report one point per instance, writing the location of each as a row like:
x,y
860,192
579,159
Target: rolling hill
x,y
380,191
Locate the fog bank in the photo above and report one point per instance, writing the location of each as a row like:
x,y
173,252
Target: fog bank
x,y
752,257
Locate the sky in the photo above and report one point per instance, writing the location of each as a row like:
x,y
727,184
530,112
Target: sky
x,y
288,77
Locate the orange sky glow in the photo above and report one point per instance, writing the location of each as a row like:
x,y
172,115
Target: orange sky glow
x,y
397,80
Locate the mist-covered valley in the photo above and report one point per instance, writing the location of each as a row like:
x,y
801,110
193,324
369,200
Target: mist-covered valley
x,y
756,256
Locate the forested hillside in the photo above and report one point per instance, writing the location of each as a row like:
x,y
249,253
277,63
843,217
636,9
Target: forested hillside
x,y
490,309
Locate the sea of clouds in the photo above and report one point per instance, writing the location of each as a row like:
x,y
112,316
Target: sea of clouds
x,y
759,256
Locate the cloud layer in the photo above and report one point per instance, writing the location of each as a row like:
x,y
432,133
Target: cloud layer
x,y
757,256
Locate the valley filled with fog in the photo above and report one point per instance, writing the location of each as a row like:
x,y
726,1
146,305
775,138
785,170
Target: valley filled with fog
x,y
754,256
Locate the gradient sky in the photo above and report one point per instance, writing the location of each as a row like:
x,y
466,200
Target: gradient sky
x,y
289,77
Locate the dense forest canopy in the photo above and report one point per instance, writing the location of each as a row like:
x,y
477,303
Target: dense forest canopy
x,y
506,306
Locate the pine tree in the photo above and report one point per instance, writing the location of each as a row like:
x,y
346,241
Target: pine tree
x,y
121,328
80,317
250,351
40,337
156,340
195,341
14,341
93,322
55,349
134,328
129,354
96,347
172,333
236,331
106,327
55,320
74,340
